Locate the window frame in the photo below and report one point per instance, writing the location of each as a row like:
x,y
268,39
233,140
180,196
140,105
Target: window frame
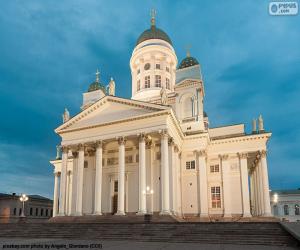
x,y
147,82
215,196
158,81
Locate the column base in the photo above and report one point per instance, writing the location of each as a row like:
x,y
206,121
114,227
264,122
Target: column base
x,y
142,212
120,213
247,215
61,214
165,212
267,215
227,215
78,214
97,213
203,215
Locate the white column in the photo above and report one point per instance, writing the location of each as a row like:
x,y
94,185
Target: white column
x,y
165,202
171,174
264,168
80,170
226,185
245,184
174,180
121,180
98,178
257,192
260,189
56,194
142,175
63,182
202,178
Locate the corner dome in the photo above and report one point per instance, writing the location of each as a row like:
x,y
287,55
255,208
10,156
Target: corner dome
x,y
96,86
153,33
188,62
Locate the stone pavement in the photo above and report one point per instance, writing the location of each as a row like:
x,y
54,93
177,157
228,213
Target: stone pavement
x,y
61,244
293,228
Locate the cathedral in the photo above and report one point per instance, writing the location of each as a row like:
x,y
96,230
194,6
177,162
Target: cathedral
x,y
156,152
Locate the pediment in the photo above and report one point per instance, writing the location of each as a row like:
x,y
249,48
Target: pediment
x,y
109,109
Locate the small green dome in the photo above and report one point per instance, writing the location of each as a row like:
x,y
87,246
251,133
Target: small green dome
x,y
153,33
96,86
188,62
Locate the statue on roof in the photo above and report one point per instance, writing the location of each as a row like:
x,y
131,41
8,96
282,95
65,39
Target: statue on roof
x,y
260,123
164,96
66,115
111,87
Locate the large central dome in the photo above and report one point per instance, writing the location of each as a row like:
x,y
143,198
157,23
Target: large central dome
x,y
153,33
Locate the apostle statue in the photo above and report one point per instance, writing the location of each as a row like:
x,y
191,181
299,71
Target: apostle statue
x,y
164,96
260,123
66,115
111,87
254,130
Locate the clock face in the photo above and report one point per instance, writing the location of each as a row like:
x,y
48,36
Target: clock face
x,y
147,66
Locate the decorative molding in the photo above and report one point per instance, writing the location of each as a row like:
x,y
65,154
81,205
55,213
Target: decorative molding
x,y
149,144
164,133
171,141
75,154
99,144
65,149
241,138
200,153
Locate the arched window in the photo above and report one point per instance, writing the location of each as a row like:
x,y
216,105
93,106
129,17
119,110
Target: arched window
x,y
30,211
275,210
297,209
286,209
15,211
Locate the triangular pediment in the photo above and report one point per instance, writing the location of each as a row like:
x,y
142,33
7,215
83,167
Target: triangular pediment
x,y
110,109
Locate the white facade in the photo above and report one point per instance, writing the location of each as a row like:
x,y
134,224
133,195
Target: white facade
x,y
285,204
156,152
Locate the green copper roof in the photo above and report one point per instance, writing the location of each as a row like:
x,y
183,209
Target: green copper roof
x,y
153,33
96,86
188,62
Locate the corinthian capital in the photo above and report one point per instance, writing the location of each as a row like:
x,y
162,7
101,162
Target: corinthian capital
x,y
200,153
163,133
142,137
243,155
263,153
64,149
121,140
223,157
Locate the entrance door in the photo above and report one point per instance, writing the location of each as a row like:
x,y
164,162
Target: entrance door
x,y
115,198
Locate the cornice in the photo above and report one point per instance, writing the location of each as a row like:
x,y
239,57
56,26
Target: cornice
x,y
187,83
241,138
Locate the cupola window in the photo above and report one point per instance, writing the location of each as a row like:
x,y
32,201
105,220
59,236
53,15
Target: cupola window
x,y
147,82
158,81
167,69
147,66
138,71
157,66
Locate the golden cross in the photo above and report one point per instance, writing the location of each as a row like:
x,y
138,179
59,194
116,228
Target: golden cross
x,y
188,50
97,75
153,14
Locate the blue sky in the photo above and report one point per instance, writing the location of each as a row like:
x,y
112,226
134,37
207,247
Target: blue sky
x,y
50,50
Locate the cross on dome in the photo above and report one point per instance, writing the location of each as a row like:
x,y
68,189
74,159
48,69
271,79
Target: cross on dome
x,y
97,75
188,50
153,14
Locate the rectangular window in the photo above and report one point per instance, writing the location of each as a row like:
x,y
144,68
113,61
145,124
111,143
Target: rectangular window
x,y
167,69
167,83
158,81
116,186
157,66
138,71
36,212
214,168
138,85
215,197
190,165
147,82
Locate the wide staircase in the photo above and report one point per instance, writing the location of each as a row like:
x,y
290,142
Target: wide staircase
x,y
247,233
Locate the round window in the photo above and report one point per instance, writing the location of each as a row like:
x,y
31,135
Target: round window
x,y
147,66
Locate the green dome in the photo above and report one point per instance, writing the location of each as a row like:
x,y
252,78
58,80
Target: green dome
x,y
96,86
153,33
188,62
